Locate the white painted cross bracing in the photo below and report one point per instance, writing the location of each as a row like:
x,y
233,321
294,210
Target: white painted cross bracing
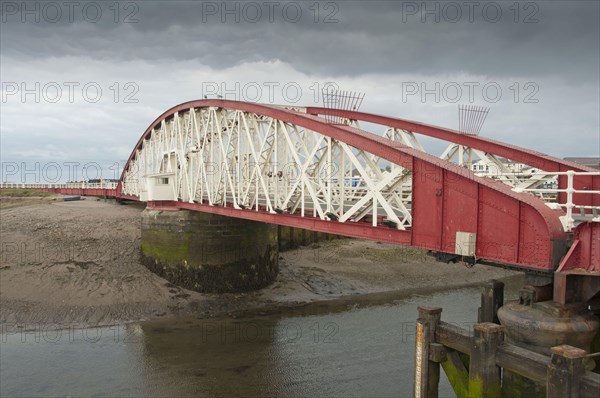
x,y
225,157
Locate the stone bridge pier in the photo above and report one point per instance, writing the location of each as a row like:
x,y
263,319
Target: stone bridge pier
x,y
208,252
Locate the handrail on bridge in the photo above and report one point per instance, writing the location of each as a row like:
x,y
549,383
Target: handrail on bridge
x,y
68,185
586,212
570,205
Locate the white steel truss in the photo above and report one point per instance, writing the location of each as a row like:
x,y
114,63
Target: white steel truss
x,y
226,157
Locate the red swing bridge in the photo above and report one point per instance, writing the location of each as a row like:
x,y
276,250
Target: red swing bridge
x,y
362,175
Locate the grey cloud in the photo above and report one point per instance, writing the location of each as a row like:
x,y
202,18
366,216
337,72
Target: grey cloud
x,y
369,37
170,51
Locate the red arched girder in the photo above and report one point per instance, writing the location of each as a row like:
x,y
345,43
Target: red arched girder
x,y
532,158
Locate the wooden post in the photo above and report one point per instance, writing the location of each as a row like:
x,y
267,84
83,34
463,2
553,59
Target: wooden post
x,y
421,359
484,374
492,298
427,372
564,372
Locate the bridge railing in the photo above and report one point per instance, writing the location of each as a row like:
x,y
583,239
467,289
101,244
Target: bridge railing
x,y
569,198
68,185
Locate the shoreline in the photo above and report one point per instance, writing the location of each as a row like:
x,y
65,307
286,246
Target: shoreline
x,y
332,305
41,290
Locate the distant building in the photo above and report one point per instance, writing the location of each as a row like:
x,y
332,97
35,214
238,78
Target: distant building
x,y
483,167
97,180
590,162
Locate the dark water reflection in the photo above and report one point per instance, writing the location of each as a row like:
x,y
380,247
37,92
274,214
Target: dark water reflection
x,y
321,351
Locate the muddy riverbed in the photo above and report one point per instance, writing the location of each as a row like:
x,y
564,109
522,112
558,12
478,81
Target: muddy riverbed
x,y
76,264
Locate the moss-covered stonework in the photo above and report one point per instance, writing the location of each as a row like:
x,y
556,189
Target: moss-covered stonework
x,y
207,252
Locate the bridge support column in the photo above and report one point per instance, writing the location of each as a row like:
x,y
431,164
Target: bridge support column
x,y
207,252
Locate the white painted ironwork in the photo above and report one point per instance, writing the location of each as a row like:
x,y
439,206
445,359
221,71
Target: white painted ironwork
x,y
574,213
226,157
521,177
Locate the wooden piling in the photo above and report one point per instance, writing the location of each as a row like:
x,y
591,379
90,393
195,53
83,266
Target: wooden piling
x,y
484,374
427,372
565,372
486,355
492,298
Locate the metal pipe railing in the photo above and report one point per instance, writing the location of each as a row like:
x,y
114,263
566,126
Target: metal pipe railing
x,y
569,190
68,185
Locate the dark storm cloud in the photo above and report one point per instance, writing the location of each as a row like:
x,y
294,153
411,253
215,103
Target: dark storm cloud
x,y
365,36
169,50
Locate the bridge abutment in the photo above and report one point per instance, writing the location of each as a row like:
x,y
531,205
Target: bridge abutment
x,y
208,252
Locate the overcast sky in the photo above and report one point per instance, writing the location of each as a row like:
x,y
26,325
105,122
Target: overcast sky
x,y
535,64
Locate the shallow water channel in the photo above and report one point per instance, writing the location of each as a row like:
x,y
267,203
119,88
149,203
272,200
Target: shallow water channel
x,y
340,350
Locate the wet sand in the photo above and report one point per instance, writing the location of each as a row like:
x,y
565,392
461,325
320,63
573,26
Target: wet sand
x,y
76,264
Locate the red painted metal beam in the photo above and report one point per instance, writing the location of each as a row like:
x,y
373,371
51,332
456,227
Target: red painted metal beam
x,y
354,230
585,251
511,228
111,193
578,277
81,191
513,152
